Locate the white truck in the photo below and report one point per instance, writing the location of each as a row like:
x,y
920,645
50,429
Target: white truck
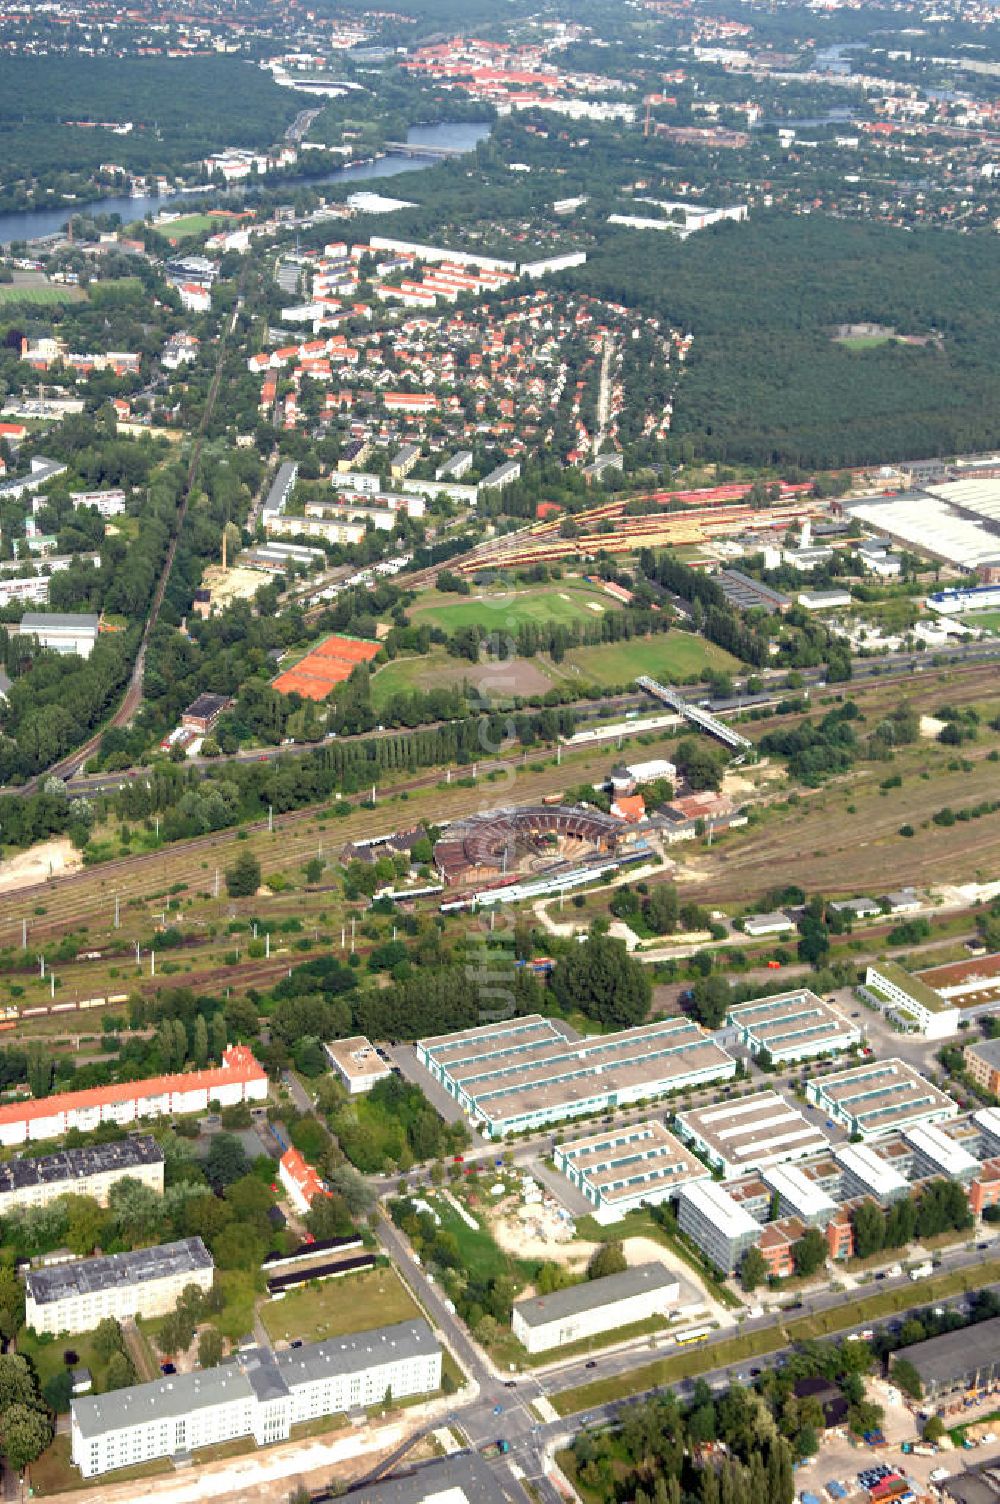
x,y
921,1271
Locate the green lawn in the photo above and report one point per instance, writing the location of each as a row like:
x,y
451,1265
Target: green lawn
x,y
354,1303
672,656
188,224
987,621
482,1257
42,294
504,610
48,1356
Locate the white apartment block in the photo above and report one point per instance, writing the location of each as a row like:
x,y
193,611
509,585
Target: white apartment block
x,y
261,1395
77,1297
90,1171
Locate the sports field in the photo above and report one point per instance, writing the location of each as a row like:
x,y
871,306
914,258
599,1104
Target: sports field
x,y
672,656
41,294
987,621
329,663
438,670
504,610
187,224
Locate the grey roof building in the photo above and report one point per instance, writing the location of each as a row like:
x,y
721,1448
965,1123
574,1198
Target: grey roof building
x,y
957,1361
597,1305
76,1297
76,1170
86,1275
462,1479
257,1393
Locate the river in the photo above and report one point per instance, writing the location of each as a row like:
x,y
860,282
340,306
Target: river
x,y
33,224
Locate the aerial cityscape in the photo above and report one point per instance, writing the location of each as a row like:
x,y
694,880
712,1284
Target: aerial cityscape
x,y
500,752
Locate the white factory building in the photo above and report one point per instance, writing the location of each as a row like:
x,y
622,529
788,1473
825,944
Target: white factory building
x,y
263,1394
598,1305
794,1026
525,1073
77,1297
622,1167
750,1133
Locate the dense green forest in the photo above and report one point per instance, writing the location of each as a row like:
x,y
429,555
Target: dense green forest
x,y
765,382
181,110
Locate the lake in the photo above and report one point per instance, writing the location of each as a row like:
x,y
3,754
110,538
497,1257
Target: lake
x,y
33,224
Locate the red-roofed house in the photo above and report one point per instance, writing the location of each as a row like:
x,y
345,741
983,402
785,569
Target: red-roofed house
x,y
629,807
300,1180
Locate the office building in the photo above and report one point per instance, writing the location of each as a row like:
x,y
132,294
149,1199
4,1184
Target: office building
x,y
982,1061
240,1078
597,1305
880,1097
357,1063
524,1073
910,1000
973,985
866,1173
749,1132
952,1365
90,1171
620,1168
262,1394
936,1153
77,1297
717,1224
987,1120
799,1195
793,1026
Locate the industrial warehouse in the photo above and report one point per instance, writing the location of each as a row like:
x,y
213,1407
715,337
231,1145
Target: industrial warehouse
x,y
601,1305
751,1132
957,1363
881,1097
525,1073
792,1026
619,1169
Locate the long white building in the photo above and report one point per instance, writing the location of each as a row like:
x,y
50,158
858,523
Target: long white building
x,y
76,1297
261,1395
240,1078
525,1073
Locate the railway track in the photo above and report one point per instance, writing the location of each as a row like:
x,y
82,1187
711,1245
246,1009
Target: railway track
x,y
133,695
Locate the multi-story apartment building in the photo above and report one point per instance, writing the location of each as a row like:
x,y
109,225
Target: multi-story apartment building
x,y
76,1297
90,1171
240,1078
262,1394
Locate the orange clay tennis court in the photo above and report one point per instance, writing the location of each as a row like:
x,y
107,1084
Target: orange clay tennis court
x,y
327,664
